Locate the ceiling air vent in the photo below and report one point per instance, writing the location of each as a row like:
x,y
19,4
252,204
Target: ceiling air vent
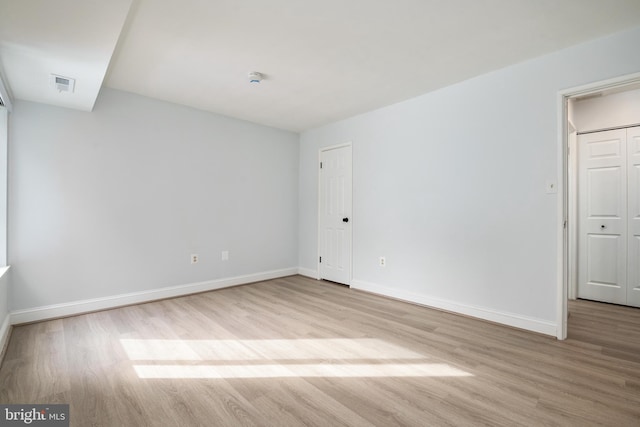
x,y
62,84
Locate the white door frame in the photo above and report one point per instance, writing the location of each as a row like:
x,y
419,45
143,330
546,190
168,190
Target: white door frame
x,y
333,147
564,240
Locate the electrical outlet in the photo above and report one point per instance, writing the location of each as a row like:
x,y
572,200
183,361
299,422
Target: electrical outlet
x,y
383,261
225,255
194,258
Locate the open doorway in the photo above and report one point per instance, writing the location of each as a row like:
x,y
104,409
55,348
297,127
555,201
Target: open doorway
x,y
599,114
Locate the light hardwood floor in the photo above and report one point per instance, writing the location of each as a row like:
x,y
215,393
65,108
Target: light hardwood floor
x,y
295,351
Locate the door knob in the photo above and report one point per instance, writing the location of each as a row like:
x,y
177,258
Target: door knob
x,y
345,219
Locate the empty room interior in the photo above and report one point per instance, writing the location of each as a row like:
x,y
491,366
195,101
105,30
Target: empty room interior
x,y
419,213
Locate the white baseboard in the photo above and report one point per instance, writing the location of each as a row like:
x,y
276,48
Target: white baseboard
x,y
510,319
85,306
5,332
307,272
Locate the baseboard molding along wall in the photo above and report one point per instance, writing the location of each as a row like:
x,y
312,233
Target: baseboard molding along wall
x,y
86,306
510,319
307,272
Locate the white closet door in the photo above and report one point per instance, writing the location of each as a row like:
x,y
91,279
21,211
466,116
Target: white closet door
x,y
335,215
633,285
602,211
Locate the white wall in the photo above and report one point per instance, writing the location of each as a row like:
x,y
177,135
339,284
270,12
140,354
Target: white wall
x,y
4,277
116,200
618,109
450,187
4,123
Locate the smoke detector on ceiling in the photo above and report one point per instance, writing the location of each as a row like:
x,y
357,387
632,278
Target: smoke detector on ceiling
x,y
255,77
62,84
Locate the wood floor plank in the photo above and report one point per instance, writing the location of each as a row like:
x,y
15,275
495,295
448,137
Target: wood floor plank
x,y
296,351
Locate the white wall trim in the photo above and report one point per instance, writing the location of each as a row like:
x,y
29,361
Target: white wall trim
x,y
5,329
4,94
5,333
562,208
307,272
505,318
85,306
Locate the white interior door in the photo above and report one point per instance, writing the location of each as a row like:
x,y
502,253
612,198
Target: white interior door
x,y
335,214
633,283
602,213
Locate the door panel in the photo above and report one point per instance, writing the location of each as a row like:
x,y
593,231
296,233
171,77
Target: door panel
x,y
633,285
335,206
604,260
602,211
603,197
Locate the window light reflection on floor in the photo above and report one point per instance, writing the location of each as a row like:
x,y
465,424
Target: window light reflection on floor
x,y
280,358
297,371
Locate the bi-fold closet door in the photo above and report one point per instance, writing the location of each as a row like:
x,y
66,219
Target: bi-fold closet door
x,y
609,216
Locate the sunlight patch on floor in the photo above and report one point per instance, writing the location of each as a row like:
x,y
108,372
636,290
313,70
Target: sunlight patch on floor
x,y
280,358
298,371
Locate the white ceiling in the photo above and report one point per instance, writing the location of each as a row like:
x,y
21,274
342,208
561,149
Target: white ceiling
x,y
72,38
323,60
